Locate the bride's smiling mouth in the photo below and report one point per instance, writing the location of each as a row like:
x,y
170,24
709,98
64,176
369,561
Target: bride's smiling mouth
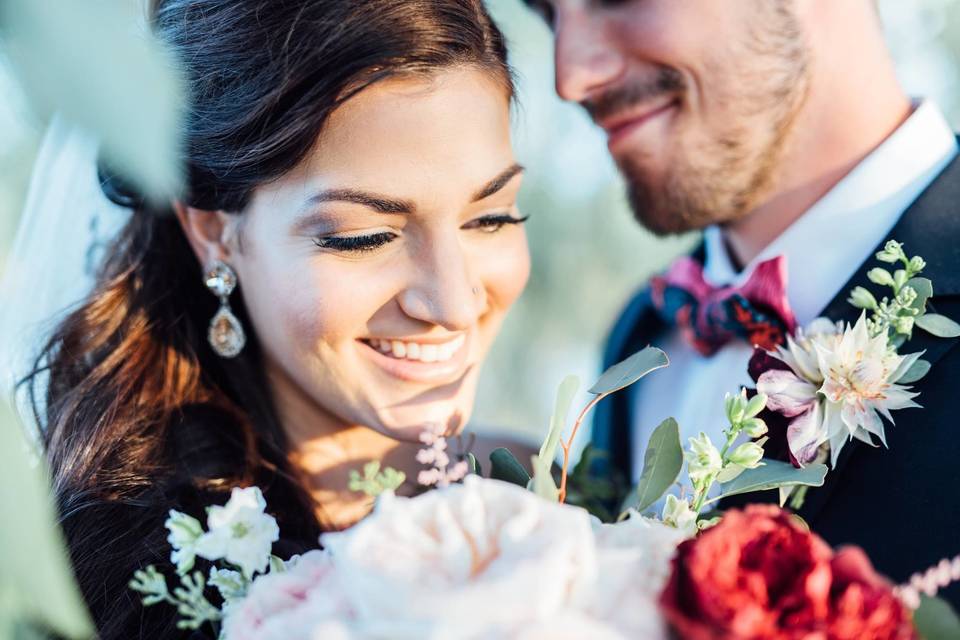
x,y
419,359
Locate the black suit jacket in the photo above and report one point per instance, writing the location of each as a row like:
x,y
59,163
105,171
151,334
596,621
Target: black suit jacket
x,y
902,504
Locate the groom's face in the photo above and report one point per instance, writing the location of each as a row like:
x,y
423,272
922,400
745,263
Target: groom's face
x,y
697,97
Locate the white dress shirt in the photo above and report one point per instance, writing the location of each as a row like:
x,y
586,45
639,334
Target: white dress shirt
x,y
824,249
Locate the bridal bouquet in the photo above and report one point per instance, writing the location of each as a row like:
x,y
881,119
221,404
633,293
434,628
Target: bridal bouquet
x,y
505,556
489,559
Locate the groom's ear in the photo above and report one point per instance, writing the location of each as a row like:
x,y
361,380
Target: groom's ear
x,y
210,233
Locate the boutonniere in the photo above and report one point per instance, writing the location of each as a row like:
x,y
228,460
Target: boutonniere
x,y
833,382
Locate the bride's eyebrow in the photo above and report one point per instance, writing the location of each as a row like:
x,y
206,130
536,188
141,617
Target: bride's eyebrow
x,y
385,204
497,183
381,204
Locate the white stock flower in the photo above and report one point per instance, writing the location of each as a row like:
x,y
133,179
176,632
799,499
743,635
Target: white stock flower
x,y
748,455
464,561
703,458
240,532
184,533
679,515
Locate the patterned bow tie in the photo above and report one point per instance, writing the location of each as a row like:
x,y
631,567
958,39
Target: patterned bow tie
x,y
709,317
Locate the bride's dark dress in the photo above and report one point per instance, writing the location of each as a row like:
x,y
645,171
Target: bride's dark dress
x,y
109,539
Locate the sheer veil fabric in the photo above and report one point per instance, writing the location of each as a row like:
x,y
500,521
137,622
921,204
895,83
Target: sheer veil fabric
x,y
65,224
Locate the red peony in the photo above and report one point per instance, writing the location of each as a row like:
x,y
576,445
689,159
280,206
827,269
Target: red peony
x,y
759,573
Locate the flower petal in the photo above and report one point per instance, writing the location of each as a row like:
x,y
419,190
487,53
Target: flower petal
x,y
899,397
806,433
786,393
907,361
837,441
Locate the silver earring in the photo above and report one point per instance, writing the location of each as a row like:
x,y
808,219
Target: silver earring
x,y
226,333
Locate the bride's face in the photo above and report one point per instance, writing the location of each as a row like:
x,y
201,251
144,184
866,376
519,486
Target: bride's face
x,y
378,273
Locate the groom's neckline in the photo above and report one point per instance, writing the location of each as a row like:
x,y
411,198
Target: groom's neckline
x,y
828,244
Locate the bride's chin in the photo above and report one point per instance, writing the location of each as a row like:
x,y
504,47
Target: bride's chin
x,y
406,425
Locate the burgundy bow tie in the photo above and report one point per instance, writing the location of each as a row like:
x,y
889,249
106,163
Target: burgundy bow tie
x,y
709,317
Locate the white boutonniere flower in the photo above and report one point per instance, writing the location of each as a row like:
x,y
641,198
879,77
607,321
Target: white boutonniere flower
x,y
838,386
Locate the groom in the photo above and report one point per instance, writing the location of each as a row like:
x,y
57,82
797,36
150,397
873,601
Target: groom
x,y
778,127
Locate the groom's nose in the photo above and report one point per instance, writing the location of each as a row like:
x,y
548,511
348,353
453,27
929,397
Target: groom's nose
x,y
587,59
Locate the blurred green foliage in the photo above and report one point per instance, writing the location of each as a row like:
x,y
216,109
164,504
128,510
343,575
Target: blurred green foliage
x,y
95,64
36,584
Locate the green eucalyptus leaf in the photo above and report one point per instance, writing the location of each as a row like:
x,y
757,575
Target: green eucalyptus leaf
x,y
915,373
924,289
566,392
773,475
662,464
96,63
505,466
542,482
36,584
623,374
936,619
475,467
938,325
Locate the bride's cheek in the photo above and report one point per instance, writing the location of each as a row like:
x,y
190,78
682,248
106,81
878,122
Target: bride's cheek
x,y
508,272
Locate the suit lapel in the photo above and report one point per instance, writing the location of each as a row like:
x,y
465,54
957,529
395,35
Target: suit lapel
x,y
930,227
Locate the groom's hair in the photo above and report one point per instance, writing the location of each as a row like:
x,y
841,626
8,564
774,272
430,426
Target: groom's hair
x,y
137,409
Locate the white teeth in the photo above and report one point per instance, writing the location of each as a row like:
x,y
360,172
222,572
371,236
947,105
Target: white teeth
x,y
416,351
444,352
428,353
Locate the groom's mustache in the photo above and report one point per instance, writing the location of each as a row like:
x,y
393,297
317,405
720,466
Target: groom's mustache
x,y
667,81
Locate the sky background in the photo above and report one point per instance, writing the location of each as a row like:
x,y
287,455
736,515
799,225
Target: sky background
x,y
588,253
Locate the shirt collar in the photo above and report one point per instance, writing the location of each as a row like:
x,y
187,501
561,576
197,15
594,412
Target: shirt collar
x,y
826,245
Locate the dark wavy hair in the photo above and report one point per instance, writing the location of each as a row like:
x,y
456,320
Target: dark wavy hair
x,y
138,414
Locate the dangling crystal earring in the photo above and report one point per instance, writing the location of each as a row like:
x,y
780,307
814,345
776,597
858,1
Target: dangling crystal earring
x,y
226,333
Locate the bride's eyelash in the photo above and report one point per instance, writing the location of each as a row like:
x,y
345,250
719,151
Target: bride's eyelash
x,y
495,222
356,244
372,242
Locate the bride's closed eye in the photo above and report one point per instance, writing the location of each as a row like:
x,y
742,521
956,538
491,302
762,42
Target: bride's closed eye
x,y
356,244
371,242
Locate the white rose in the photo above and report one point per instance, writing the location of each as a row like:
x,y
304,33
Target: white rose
x,y
571,625
464,561
634,559
302,603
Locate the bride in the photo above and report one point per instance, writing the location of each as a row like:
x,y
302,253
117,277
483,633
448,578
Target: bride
x,y
327,286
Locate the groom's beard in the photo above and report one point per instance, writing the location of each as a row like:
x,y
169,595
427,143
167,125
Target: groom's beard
x,y
722,156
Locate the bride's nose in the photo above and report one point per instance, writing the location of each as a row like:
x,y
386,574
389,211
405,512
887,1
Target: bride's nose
x,y
443,289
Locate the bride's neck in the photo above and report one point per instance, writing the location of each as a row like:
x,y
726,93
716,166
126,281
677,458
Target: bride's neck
x,y
324,450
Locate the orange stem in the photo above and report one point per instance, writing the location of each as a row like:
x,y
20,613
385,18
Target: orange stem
x,y
569,443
